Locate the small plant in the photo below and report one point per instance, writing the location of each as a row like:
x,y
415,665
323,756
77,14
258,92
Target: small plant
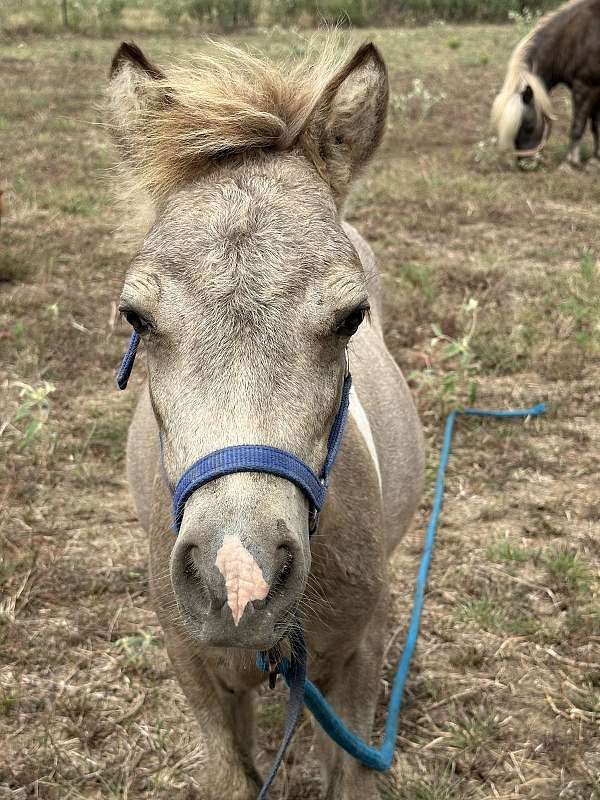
x,y
451,379
505,550
33,412
416,104
581,306
474,734
8,701
136,651
525,19
566,570
484,612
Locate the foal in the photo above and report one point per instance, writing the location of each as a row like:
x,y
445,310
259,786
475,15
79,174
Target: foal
x,y
564,47
247,291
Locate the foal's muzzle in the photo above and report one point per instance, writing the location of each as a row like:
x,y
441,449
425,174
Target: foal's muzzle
x,y
239,590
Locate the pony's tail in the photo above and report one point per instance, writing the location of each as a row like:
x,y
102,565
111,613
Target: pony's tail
x,y
508,107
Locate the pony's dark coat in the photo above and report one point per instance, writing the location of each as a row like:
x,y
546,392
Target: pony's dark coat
x,y
564,48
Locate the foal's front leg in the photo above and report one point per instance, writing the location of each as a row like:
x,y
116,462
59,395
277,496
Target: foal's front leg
x,y
226,719
353,693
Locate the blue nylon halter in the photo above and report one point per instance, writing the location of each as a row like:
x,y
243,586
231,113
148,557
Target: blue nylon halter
x,y
293,669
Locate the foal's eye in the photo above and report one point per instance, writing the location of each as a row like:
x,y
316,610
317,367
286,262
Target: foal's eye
x,y
137,322
350,324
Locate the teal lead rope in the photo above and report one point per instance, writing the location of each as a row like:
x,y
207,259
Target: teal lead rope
x,y
327,718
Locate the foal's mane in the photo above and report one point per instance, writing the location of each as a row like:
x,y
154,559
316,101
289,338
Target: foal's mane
x,y
227,102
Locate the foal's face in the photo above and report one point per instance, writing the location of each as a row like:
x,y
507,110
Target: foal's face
x,y
246,292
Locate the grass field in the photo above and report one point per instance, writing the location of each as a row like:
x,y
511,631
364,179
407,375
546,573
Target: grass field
x,y
492,283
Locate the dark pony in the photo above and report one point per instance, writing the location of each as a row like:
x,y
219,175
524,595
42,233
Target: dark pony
x,y
564,47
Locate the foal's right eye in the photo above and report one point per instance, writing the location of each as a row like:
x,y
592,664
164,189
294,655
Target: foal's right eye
x,y
137,322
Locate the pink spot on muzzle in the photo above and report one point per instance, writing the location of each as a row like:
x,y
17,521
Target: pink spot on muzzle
x,y
244,579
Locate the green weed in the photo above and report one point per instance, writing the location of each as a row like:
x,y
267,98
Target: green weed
x,y
452,379
503,550
566,570
475,733
8,701
136,652
483,612
33,412
441,785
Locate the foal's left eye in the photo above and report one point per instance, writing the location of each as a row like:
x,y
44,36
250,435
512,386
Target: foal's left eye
x,y
351,323
137,322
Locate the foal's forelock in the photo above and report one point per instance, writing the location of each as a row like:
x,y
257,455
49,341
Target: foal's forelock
x,y
229,106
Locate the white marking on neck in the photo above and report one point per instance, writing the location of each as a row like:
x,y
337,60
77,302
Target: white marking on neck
x,y
362,422
244,579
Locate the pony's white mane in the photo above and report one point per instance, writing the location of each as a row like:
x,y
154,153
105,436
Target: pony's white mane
x,y
508,107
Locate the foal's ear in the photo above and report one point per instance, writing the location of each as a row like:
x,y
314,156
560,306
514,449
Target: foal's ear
x,y
132,88
349,119
527,95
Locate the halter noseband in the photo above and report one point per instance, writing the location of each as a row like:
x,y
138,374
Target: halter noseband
x,y
254,457
533,151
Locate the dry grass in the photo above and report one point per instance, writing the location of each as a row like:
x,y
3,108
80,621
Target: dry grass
x,y
504,698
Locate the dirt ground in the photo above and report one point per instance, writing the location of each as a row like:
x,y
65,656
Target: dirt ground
x,y
492,284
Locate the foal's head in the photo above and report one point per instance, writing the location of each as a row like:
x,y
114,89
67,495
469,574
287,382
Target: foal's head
x,y
245,291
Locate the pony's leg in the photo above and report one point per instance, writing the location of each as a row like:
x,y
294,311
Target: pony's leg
x,y
353,693
584,100
226,722
595,123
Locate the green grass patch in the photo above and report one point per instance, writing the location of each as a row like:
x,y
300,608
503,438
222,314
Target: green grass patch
x,y
77,202
423,277
566,571
441,785
505,551
474,734
493,617
484,613
8,701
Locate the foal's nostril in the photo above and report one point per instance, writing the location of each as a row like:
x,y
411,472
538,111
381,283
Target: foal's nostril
x,y
283,570
198,585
